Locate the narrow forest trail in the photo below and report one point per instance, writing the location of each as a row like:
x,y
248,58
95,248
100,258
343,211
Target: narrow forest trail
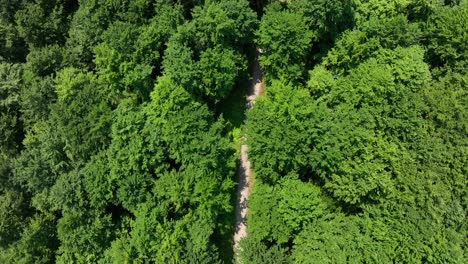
x,y
244,171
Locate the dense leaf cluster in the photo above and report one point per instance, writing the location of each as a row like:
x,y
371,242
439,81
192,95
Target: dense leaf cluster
x,y
119,123
108,153
363,159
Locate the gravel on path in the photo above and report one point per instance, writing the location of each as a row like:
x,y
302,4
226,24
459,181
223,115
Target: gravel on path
x,y
244,171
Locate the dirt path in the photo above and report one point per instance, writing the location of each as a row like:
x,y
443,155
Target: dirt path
x,y
244,171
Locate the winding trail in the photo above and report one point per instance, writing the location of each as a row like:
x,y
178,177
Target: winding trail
x,y
244,171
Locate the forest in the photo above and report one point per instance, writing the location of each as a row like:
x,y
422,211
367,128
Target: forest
x,y
121,123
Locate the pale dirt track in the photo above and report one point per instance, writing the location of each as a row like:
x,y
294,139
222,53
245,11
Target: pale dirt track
x,y
244,171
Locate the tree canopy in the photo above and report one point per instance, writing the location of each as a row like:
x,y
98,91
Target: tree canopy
x,y
367,142
121,122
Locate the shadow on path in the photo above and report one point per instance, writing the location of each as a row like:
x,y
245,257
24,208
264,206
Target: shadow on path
x,y
244,171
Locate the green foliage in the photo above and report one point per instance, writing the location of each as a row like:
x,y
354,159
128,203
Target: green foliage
x,y
83,236
173,109
284,39
212,77
300,203
37,243
67,194
12,216
11,45
218,33
45,60
178,64
366,9
10,125
219,71
277,131
366,41
156,33
276,214
265,222
35,98
96,181
128,147
326,19
8,9
38,166
378,137
114,67
253,252
447,99
93,17
334,240
114,149
42,23
447,38
371,108
229,23
86,27
128,55
78,95
183,241
386,78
